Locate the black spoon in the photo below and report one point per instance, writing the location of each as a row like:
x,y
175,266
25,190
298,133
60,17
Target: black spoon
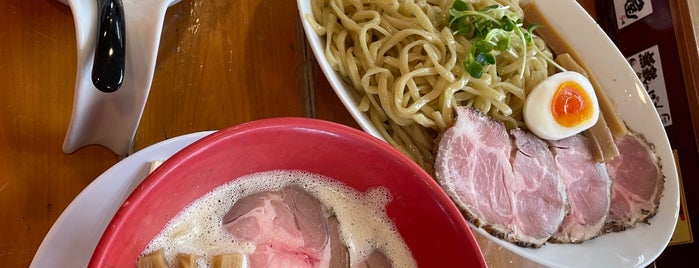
x,y
110,55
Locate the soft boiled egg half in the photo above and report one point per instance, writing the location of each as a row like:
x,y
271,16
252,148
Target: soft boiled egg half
x,y
561,106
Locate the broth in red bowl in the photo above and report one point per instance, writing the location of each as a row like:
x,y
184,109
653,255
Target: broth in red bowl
x,y
429,224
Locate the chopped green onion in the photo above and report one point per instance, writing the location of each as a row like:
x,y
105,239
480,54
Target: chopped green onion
x,y
489,30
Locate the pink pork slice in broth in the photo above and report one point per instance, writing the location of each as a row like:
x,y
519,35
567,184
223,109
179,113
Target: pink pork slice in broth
x,y
637,183
289,227
587,184
512,190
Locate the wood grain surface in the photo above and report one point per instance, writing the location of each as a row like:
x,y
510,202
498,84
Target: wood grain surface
x,y
220,63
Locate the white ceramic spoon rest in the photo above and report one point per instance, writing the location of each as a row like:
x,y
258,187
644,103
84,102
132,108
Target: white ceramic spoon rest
x,y
111,119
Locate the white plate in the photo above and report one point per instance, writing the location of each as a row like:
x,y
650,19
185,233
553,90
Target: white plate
x,y
74,236
637,247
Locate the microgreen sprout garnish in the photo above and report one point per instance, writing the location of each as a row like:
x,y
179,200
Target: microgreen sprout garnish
x,y
491,31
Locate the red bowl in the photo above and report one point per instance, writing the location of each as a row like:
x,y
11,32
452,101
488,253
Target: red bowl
x,y
430,224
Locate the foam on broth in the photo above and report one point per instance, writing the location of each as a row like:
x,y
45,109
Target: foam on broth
x,y
364,225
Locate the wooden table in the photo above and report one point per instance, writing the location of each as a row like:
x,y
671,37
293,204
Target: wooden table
x,y
221,63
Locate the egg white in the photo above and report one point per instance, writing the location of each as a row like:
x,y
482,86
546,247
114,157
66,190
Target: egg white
x,y
538,115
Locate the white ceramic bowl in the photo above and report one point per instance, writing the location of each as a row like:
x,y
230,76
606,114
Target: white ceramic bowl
x,y
632,248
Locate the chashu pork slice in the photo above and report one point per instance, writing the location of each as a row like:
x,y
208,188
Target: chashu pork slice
x,y
509,188
637,183
588,187
542,198
289,228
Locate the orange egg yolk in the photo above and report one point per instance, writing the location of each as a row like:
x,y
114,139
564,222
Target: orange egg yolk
x,y
571,104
